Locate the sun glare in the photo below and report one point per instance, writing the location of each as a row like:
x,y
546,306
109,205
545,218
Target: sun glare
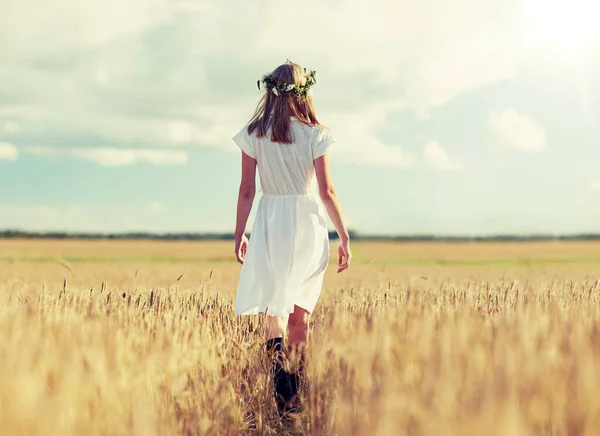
x,y
569,26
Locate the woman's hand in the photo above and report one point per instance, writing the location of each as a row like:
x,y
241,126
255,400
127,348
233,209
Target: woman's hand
x,y
344,255
241,245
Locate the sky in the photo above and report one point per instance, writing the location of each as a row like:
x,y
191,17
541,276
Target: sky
x,y
470,117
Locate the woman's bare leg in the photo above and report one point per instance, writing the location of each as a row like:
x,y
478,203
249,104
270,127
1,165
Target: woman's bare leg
x,y
276,327
298,326
286,383
298,332
275,334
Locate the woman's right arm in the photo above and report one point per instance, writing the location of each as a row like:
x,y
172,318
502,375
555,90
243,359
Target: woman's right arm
x,y
332,205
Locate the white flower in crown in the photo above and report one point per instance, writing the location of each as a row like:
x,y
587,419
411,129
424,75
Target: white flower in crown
x,y
275,92
289,87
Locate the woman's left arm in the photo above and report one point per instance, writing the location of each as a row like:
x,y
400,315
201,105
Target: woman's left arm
x,y
244,205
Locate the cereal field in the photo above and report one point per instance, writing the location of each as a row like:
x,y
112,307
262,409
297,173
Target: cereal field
x,y
139,338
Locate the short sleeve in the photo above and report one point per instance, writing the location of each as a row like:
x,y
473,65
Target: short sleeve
x,y
323,142
242,139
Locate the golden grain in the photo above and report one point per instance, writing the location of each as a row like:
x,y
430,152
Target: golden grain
x,y
139,338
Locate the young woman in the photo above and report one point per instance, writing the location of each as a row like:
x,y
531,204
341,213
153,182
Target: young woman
x,y
284,263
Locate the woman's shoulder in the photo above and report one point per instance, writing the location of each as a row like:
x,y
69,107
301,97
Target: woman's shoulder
x,y
322,131
313,126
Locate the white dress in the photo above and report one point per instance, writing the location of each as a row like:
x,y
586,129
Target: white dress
x,y
288,250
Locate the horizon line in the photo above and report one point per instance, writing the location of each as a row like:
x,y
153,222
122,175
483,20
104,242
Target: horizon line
x,y
53,234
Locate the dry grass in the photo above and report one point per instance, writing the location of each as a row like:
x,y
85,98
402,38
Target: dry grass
x,y
108,338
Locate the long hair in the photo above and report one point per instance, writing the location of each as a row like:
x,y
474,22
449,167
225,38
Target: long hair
x,y
274,111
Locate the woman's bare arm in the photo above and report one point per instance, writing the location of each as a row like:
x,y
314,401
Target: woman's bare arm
x,y
244,205
332,204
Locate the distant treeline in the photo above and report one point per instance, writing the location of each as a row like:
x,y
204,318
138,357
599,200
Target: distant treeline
x,y
16,234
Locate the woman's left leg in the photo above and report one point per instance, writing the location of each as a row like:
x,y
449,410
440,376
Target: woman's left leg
x,y
276,327
297,341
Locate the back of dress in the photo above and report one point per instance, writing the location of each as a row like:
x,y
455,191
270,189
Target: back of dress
x,y
288,251
287,169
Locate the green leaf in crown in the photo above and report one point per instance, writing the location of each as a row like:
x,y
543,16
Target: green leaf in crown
x,y
270,83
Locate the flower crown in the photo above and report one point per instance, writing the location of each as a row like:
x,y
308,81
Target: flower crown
x,y
299,91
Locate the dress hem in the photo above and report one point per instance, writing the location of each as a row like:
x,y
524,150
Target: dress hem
x,y
257,310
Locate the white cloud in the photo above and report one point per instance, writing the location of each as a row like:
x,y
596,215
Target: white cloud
x,y
439,159
21,111
51,28
426,70
43,151
8,151
157,207
375,153
596,185
156,73
115,156
181,132
85,217
121,157
509,129
11,127
359,145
